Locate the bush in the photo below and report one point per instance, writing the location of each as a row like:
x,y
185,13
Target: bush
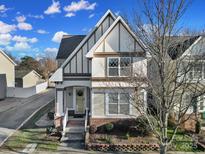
x,y
93,129
50,115
197,127
109,127
143,126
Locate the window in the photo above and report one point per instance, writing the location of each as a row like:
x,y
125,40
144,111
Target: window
x,y
200,102
118,103
119,66
197,71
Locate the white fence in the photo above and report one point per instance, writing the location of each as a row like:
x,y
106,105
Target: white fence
x,y
26,92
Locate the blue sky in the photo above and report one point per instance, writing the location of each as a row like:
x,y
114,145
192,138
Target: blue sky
x,y
34,27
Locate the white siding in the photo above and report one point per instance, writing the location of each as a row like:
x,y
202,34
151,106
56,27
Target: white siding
x,y
98,67
112,40
105,25
85,63
98,33
100,48
79,62
126,40
73,65
67,68
98,104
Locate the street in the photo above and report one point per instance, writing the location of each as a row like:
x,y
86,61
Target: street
x,y
14,111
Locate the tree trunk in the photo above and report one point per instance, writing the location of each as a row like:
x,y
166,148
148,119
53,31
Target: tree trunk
x,y
163,149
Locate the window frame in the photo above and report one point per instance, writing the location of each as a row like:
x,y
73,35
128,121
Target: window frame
x,y
119,67
118,104
193,71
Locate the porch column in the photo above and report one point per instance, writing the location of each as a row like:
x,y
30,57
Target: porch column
x,y
59,102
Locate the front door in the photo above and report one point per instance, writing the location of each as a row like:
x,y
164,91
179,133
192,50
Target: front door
x,y
80,100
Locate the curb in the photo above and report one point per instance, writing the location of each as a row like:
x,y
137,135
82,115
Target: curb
x,y
24,122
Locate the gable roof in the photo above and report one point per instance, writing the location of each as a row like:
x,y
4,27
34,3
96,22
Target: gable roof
x,y
119,19
68,44
5,55
21,73
180,44
87,37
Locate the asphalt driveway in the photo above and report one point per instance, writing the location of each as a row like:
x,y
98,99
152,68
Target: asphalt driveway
x,y
14,111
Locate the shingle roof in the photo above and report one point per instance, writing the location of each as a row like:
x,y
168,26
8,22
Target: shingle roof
x,y
68,44
21,73
179,44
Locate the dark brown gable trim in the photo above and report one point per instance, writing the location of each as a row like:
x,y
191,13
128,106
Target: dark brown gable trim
x,y
76,74
74,79
119,54
113,79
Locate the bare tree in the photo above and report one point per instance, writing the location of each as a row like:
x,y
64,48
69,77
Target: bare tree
x,y
48,66
171,82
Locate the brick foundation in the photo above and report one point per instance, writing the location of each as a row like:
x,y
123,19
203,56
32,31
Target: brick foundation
x,y
190,123
58,122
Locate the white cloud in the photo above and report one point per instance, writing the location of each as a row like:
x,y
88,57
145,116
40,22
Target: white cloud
x,y
52,50
36,16
81,5
19,46
91,15
24,26
70,14
5,39
6,28
54,8
3,8
41,31
21,18
19,39
58,36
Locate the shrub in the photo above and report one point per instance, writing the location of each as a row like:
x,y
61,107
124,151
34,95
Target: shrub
x,y
109,127
50,115
143,126
197,127
93,129
127,135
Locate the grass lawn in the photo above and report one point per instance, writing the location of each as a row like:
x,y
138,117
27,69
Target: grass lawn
x,y
20,139
182,142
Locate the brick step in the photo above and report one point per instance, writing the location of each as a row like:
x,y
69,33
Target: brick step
x,y
78,129
75,123
72,137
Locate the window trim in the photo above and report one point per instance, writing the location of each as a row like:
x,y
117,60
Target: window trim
x,y
119,67
118,104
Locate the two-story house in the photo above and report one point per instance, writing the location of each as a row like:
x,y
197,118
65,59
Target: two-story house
x,y
93,75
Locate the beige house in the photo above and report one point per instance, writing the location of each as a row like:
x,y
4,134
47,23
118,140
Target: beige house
x,y
27,78
91,80
7,67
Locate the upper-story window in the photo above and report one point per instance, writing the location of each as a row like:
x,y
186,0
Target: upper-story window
x,y
119,66
197,71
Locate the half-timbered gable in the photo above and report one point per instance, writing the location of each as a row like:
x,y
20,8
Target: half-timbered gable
x,y
77,63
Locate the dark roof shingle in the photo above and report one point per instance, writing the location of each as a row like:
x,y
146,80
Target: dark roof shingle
x,y
68,45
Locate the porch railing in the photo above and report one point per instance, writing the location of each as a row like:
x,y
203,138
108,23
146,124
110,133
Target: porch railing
x,y
86,119
65,120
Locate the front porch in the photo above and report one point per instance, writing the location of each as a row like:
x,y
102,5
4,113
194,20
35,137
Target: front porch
x,y
72,105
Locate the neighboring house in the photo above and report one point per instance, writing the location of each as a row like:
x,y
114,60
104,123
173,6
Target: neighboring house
x,y
190,51
7,67
94,71
27,78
